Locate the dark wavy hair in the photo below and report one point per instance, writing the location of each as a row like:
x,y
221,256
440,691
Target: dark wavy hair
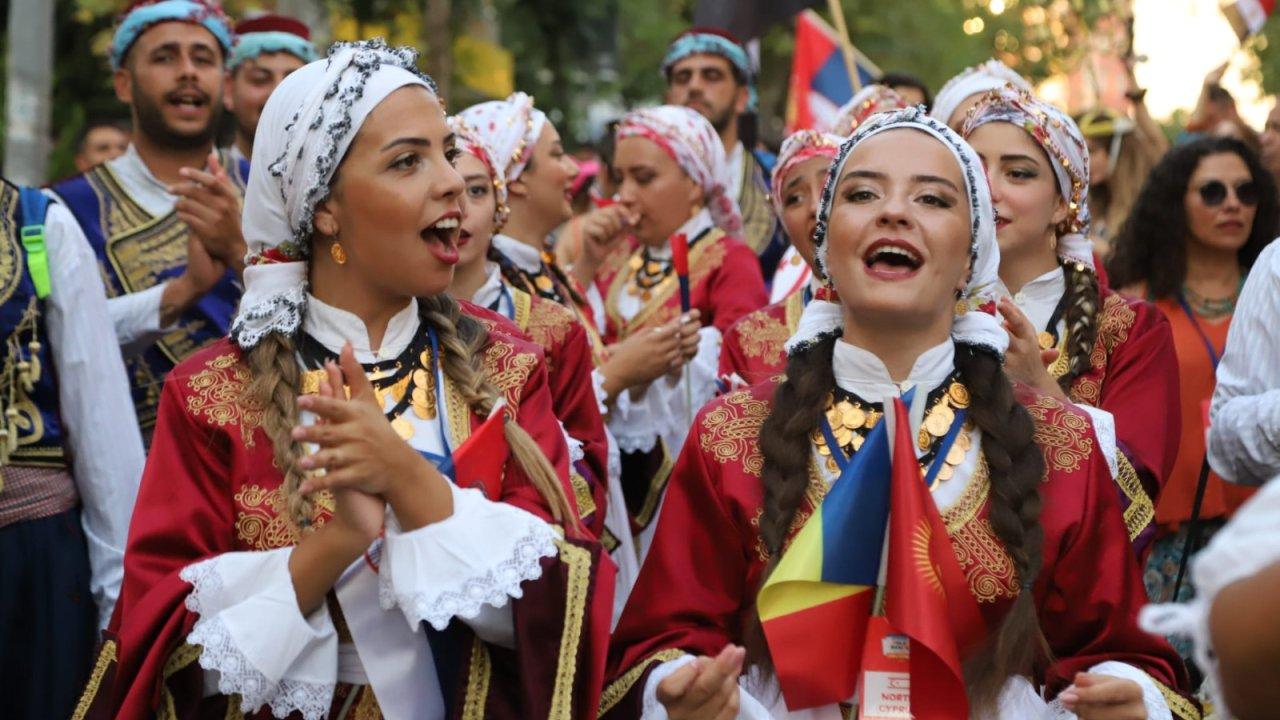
x,y
1152,245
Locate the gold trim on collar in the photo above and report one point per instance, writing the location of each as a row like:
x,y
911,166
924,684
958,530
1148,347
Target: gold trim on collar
x,y
663,291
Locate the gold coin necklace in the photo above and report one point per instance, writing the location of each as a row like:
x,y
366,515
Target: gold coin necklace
x,y
851,419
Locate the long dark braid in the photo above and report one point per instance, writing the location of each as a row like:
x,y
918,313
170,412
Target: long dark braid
x,y
1084,300
1016,467
510,273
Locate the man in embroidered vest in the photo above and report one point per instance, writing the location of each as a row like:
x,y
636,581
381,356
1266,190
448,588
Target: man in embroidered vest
x,y
268,47
164,218
708,70
70,458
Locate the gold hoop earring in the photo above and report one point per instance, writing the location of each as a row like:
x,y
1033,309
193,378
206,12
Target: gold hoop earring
x,y
338,254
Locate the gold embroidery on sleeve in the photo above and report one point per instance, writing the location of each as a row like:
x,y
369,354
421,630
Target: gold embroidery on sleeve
x,y
1063,436
619,688
219,396
508,370
1141,512
762,336
262,519
732,430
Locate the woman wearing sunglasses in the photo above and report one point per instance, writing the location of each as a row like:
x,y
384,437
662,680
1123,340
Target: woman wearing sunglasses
x,y
1069,337
1192,263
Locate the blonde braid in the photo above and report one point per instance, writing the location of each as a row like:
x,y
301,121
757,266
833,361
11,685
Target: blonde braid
x,y
462,342
1083,303
275,386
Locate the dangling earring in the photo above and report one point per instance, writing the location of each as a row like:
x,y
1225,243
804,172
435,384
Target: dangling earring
x,y
338,254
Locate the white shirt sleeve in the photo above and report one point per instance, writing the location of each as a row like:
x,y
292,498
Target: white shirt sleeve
x,y
466,566
96,407
1244,433
136,317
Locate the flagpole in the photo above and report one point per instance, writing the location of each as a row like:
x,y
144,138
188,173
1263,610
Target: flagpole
x,y
846,45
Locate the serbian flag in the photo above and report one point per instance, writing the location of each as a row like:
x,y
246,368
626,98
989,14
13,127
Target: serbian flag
x,y
820,81
1248,16
927,595
815,605
479,460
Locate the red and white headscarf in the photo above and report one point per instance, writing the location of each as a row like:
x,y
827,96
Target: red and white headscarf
x,y
865,103
510,129
689,139
469,141
1060,138
798,147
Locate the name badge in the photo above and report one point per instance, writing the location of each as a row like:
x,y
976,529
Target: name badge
x,y
884,687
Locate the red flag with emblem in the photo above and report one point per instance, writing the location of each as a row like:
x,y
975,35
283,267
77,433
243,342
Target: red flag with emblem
x,y
926,597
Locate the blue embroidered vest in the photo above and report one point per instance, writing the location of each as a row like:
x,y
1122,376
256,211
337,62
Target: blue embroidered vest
x,y
137,251
31,425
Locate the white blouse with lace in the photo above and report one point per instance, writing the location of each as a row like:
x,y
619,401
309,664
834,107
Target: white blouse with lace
x,y
257,643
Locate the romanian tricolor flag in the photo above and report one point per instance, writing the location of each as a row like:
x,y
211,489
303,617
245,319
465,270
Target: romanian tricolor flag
x,y
814,606
820,81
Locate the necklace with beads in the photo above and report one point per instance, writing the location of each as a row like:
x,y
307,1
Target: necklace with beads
x,y
408,380
1211,308
851,419
647,273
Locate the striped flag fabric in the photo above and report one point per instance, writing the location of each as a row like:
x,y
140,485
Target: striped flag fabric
x,y
826,581
820,81
1248,16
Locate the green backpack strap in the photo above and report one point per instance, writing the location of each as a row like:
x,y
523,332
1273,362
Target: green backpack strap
x,y
34,206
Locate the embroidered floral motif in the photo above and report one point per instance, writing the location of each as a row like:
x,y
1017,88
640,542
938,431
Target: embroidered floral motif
x,y
549,324
508,370
262,517
986,564
219,396
763,336
1063,436
1115,322
732,429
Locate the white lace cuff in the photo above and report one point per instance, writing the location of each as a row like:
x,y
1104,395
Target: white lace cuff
x,y
576,454
1104,426
1157,708
632,423
478,556
597,387
254,637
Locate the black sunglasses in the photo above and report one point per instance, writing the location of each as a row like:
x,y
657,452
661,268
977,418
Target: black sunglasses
x,y
1214,193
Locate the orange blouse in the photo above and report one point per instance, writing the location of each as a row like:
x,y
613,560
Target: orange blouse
x,y
1195,368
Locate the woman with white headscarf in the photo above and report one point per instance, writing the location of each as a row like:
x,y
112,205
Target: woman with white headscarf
x,y
1113,357
978,536
311,504
674,186
962,92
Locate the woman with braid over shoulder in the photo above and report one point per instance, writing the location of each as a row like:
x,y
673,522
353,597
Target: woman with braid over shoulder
x,y
310,542
981,555
1070,337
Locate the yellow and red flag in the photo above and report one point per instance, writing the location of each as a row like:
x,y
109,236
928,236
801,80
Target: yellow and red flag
x,y
927,595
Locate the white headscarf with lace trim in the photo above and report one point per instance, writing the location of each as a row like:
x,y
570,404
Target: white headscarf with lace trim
x,y
305,129
975,322
989,75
